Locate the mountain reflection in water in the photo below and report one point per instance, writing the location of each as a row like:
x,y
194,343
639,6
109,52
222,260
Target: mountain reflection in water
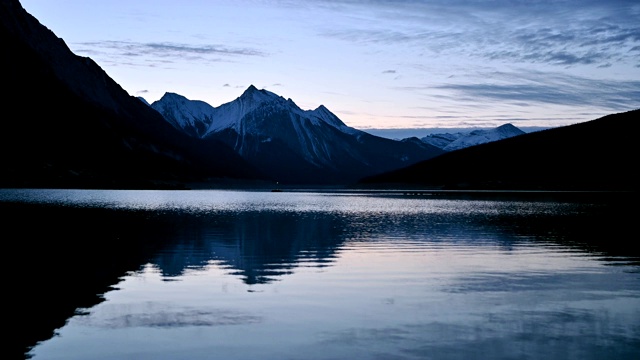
x,y
257,246
507,277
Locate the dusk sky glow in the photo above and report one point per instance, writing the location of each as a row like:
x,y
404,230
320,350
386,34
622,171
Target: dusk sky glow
x,y
375,63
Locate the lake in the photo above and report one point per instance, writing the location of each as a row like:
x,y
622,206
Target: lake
x,y
226,274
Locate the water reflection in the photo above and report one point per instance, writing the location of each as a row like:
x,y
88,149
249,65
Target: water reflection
x,y
332,275
256,246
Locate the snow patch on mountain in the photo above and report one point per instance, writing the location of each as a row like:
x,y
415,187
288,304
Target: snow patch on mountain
x,y
442,140
231,114
478,137
191,116
460,140
323,114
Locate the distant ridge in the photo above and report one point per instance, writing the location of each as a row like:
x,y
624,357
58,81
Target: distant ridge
x,y
601,154
460,140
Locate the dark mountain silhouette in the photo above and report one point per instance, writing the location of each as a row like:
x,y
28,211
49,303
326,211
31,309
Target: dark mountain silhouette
x,y
68,124
601,154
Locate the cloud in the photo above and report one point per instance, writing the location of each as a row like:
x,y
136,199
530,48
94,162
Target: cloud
x,y
161,53
171,48
554,89
578,44
586,33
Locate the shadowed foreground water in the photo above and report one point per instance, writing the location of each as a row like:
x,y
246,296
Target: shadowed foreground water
x,y
246,275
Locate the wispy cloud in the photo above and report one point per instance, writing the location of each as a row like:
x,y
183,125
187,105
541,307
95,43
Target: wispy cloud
x,y
554,33
171,48
162,53
555,89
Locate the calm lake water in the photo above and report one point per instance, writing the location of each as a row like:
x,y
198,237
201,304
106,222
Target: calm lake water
x,y
219,274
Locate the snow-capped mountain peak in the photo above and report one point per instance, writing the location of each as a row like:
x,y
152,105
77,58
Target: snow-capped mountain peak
x,y
201,119
324,115
191,116
477,137
252,94
230,115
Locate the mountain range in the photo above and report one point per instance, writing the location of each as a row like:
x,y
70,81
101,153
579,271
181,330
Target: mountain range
x,y
260,124
288,144
68,124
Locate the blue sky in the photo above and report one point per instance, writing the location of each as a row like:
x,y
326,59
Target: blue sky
x,y
374,63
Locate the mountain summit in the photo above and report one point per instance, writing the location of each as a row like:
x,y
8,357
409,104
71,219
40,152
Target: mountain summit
x,y
289,144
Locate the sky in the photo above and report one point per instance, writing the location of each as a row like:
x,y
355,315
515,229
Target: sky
x,y
376,64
